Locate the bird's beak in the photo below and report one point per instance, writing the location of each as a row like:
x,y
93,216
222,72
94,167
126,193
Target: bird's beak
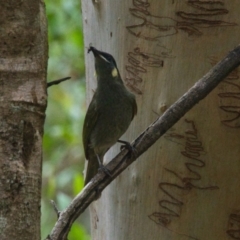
x,y
97,53
94,50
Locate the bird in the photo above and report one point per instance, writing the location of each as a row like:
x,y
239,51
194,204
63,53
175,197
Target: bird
x,y
109,114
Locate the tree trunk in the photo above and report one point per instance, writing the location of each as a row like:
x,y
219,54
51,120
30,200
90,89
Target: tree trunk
x,y
23,65
187,185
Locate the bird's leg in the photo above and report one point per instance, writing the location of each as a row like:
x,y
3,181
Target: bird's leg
x,y
128,146
102,167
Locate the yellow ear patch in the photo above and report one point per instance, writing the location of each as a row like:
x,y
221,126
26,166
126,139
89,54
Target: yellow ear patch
x,y
114,72
95,74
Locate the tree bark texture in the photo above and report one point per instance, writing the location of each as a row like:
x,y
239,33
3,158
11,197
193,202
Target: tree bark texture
x,y
23,99
189,186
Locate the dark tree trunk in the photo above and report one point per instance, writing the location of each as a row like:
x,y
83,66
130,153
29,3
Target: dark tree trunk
x,y
23,100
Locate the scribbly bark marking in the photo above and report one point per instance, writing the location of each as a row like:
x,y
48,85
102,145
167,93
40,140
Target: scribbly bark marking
x,y
231,112
234,225
203,14
193,152
138,62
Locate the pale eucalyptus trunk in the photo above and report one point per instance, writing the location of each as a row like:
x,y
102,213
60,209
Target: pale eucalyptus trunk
x,y
23,99
187,185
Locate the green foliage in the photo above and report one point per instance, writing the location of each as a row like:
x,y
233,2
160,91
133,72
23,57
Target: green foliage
x,y
63,159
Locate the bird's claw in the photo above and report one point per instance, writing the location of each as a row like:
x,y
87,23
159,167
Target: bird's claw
x,y
128,146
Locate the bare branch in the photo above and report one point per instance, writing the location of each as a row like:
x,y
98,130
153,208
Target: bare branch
x,y
55,208
146,139
55,82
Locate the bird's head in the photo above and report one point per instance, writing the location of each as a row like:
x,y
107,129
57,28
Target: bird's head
x,y
105,64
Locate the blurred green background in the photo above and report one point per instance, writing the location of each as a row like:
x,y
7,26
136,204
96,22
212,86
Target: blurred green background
x,y
63,159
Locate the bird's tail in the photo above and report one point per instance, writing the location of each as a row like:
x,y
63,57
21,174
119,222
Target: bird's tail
x,y
92,169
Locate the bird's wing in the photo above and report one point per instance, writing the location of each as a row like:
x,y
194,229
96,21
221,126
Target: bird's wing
x,y
89,123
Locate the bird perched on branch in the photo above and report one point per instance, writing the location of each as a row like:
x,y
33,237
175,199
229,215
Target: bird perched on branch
x,y
109,114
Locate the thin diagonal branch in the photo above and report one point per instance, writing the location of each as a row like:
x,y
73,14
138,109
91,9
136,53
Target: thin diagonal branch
x,y
146,139
55,82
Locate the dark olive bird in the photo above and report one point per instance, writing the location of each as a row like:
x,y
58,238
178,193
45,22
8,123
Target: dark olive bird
x,y
109,114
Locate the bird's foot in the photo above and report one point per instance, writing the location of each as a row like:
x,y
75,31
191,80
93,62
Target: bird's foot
x,y
128,146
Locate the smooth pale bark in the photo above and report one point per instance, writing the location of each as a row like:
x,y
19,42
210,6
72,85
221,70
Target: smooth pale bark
x,y
23,99
189,186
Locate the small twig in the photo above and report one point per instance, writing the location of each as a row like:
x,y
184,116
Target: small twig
x,y
58,214
55,82
146,139
55,208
